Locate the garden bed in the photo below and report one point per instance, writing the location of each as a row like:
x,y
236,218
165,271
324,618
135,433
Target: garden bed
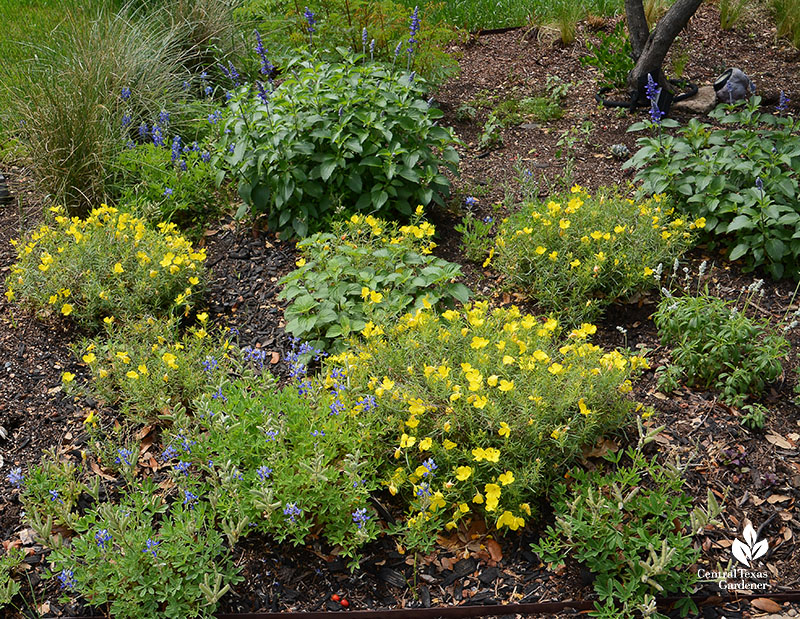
x,y
760,469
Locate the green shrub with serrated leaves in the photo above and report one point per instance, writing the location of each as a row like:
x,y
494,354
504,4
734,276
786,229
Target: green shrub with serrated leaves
x,y
365,270
353,135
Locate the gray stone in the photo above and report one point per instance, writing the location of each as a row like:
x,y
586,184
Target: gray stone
x,y
702,103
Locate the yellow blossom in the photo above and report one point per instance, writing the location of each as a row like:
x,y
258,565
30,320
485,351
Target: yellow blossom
x,y
68,377
89,358
118,268
170,360
585,410
66,309
425,444
478,342
506,385
448,444
506,478
407,441
505,429
510,520
463,473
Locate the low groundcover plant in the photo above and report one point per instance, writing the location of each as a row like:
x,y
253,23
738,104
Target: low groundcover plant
x,y
576,253
109,265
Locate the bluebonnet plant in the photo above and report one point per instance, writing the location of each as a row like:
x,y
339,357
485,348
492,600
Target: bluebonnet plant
x,y
163,117
126,120
360,517
54,496
168,192
263,472
176,148
151,547
183,467
67,579
158,136
102,537
364,39
143,130
210,364
291,511
15,477
423,490
124,457
189,499
372,49
470,201
126,93
214,117
430,466
168,454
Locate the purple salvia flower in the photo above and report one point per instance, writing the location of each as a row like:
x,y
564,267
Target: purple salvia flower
x,y
266,65
783,103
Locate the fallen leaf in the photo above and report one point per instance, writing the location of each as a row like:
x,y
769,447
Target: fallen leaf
x,y
495,551
27,536
98,471
777,498
765,604
778,441
659,396
276,356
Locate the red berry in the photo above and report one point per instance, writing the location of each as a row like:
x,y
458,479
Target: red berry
x,y
335,597
345,603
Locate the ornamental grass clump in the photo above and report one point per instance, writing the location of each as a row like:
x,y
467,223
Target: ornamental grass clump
x,y
366,271
576,253
485,408
348,135
109,266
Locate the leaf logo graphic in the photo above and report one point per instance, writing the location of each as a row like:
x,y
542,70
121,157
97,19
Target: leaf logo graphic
x,y
751,549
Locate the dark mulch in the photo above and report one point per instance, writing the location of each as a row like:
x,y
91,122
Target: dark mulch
x,y
761,483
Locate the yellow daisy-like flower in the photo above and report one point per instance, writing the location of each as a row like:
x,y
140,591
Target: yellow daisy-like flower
x,y
407,441
505,429
448,444
131,374
493,380
89,357
510,520
478,343
123,356
563,224
425,444
67,377
66,309
480,401
508,360
556,369
170,360
117,269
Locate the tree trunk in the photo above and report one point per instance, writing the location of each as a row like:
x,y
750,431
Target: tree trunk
x,y
650,48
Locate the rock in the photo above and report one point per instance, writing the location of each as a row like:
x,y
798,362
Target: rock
x,y
702,103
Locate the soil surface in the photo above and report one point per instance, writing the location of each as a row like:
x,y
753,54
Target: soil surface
x,y
756,473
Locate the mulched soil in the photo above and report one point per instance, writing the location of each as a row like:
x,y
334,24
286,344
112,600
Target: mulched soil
x,y
758,473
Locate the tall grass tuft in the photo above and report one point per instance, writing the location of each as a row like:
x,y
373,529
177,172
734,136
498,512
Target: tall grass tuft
x,y
68,105
730,12
787,19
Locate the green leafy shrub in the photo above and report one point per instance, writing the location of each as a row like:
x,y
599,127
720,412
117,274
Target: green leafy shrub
x,y
632,526
611,57
347,135
576,253
470,396
147,366
742,179
715,344
365,270
168,185
107,265
140,555
476,240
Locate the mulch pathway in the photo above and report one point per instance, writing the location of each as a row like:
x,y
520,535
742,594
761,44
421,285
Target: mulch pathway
x,y
757,472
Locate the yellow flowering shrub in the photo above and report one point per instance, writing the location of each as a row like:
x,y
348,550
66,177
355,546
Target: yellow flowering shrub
x,y
107,265
146,366
486,407
576,253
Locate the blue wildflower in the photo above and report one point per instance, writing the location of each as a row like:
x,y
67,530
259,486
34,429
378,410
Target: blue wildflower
x,y
163,117
126,93
783,103
470,201
67,579
263,472
124,457
291,511
311,19
653,93
214,117
151,546
168,192
429,466
210,364
168,454
176,148
158,136
360,517
207,91
143,130
102,537
183,467
189,499
15,477
266,65
126,120
412,40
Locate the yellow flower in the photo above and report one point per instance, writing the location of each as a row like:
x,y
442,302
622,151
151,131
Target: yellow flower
x,y
526,508
540,250
451,315
301,262
575,263
506,478
200,334
437,501
508,360
480,401
556,369
700,223
490,454
170,360
143,369
66,309
555,434
510,520
131,374
563,224
68,377
412,422
407,441
370,330
506,385
103,373
123,356
463,508
478,342
492,496
478,498
375,297
505,429
89,358
425,444
118,268
585,410
448,444
492,380
553,255
463,473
